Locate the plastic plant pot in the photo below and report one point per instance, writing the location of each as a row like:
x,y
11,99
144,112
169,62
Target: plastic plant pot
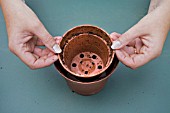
x,y
87,60
86,51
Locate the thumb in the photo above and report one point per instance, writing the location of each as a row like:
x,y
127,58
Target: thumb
x,y
47,39
127,37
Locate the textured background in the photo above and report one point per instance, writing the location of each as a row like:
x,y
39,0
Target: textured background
x,y
145,90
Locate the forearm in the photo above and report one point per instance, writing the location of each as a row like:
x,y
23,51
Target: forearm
x,y
163,5
162,8
153,5
165,12
11,8
4,0
156,3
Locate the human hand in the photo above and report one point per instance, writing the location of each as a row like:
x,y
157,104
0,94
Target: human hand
x,y
144,41
26,33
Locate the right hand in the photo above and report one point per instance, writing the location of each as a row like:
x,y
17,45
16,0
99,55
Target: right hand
x,y
26,33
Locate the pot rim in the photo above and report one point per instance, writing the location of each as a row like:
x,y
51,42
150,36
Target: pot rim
x,y
93,82
104,69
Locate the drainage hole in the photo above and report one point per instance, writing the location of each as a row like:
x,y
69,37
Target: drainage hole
x,y
86,72
99,67
74,65
94,56
81,55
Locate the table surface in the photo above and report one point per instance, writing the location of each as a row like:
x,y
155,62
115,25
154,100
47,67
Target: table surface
x,y
145,90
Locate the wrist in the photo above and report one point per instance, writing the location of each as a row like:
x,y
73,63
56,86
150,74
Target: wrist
x,y
156,3
160,10
2,2
23,1
165,13
11,8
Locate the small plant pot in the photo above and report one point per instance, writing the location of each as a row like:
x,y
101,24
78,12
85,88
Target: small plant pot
x,y
86,59
86,51
87,88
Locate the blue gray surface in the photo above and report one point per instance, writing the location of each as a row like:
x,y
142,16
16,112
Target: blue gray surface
x,y
145,90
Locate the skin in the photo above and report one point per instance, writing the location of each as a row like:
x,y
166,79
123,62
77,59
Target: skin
x,y
147,37
26,33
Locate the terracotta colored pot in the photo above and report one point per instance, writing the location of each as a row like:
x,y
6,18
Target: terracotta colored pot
x,y
86,51
88,87
87,59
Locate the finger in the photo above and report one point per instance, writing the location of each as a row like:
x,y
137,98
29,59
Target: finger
x,y
114,36
132,43
47,39
133,46
58,39
130,50
138,45
139,60
133,61
125,58
45,61
36,56
39,42
34,61
42,52
127,37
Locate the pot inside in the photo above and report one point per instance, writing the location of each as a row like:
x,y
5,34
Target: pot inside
x,y
86,54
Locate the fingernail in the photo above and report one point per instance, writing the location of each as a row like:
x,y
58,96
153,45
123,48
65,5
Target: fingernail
x,y
57,48
116,44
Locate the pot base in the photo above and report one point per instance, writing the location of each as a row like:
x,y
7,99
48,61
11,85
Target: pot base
x,y
86,90
86,63
94,42
88,87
